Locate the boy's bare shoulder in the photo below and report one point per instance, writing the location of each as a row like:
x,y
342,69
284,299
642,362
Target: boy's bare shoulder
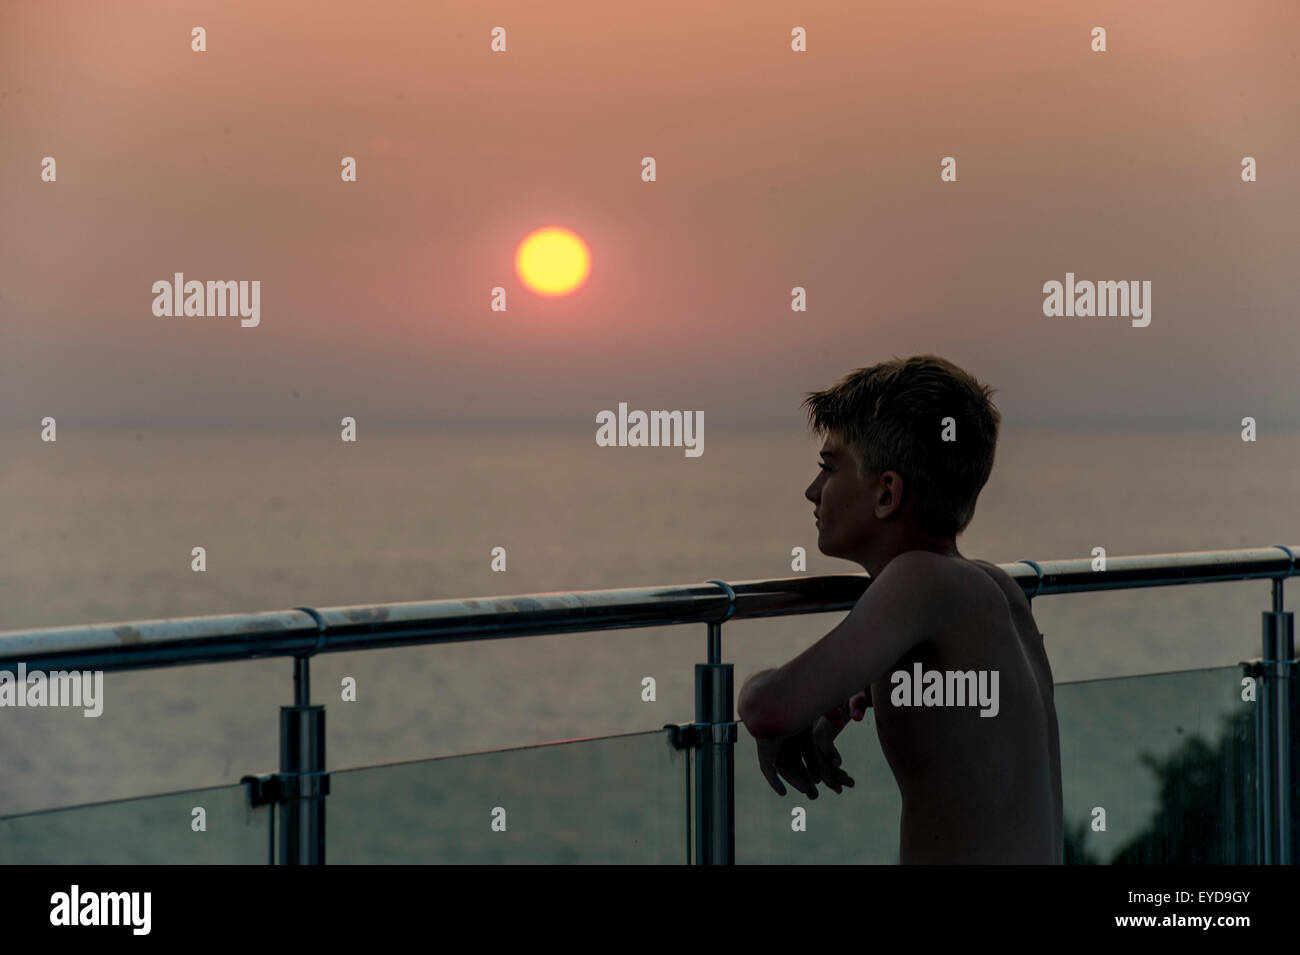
x,y
1021,611
1015,593
949,569
964,582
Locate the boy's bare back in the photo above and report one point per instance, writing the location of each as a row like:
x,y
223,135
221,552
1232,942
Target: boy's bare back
x,y
978,789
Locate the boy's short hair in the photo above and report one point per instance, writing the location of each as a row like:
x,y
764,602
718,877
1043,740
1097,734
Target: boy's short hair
x,y
890,416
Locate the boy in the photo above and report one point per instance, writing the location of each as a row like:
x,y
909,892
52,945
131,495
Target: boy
x,y
944,648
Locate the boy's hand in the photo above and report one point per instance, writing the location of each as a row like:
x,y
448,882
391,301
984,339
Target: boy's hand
x,y
791,757
827,756
803,759
859,703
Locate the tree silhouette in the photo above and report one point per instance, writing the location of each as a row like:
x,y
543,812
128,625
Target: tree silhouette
x,y
1207,804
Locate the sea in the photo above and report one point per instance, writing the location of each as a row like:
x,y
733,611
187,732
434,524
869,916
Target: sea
x,y
100,526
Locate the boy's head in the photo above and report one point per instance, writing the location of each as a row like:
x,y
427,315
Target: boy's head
x,y
893,481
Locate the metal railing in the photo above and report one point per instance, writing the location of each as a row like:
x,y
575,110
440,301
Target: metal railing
x,y
302,784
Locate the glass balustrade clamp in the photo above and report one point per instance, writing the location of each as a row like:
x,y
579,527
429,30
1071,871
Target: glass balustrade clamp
x,y
693,735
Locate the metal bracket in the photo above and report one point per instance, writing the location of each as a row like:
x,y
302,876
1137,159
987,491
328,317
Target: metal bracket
x,y
262,789
1258,667
695,735
270,788
731,599
320,630
1038,589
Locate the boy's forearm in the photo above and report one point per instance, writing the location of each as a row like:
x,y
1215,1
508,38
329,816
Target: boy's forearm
x,y
754,686
838,716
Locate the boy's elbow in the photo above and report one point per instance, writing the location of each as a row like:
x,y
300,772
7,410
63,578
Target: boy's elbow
x,y
762,722
756,727
748,714
761,709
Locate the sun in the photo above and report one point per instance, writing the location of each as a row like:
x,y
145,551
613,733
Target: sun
x,y
553,261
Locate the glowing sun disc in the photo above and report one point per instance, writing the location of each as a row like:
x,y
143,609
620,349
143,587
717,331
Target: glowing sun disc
x,y
553,261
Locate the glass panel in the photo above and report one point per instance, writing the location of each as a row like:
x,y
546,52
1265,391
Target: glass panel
x,y
1170,758
859,824
618,799
152,830
856,826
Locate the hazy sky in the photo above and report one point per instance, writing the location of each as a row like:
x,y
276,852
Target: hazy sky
x,y
774,169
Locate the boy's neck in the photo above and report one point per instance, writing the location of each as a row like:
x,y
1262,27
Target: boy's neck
x,y
878,562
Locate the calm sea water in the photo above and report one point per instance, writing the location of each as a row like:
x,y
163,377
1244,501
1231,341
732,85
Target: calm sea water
x,y
99,527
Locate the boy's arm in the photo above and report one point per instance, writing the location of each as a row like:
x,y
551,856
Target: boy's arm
x,y
855,708
900,608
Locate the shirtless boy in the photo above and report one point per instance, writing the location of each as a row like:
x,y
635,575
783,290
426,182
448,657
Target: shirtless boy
x,y
909,444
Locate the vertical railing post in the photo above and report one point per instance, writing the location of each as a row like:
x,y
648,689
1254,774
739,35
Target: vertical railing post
x,y
303,783
1273,732
715,795
715,792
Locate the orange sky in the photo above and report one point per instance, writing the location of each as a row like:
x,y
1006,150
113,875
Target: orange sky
x,y
775,169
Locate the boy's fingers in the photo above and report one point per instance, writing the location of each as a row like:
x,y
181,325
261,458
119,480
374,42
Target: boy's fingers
x,y
772,779
808,752
838,777
796,777
768,768
794,772
858,706
830,775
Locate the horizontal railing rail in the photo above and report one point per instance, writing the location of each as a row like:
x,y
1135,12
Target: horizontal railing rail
x,y
300,788
306,631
